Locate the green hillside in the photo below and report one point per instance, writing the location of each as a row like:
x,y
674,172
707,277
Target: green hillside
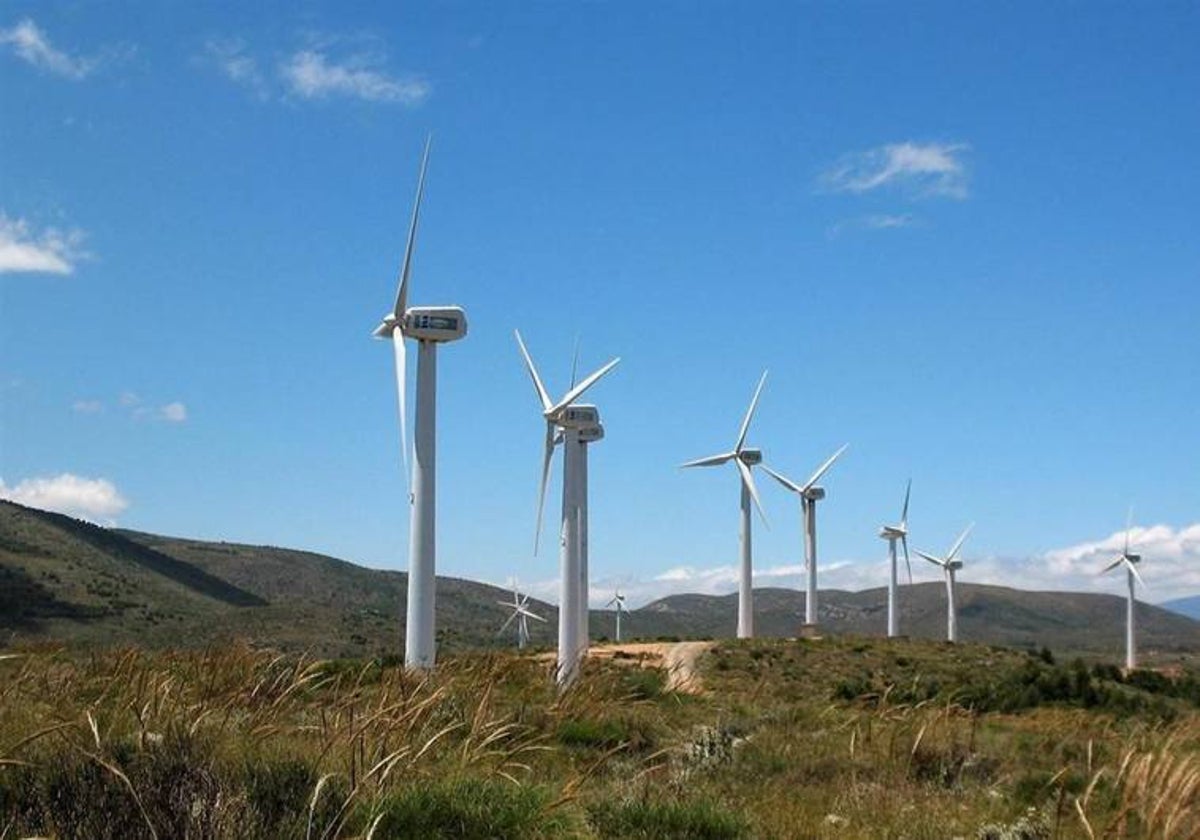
x,y
70,580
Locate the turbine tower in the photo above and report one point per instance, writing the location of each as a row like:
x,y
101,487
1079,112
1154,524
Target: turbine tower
x,y
428,326
743,458
618,601
572,419
892,533
809,494
521,613
588,435
950,565
1130,562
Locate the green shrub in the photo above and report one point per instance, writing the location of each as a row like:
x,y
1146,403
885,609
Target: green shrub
x,y
468,809
665,820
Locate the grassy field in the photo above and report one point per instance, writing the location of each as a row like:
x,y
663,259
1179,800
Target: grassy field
x,y
826,738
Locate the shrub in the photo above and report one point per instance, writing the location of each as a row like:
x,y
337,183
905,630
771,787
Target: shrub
x,y
665,820
470,809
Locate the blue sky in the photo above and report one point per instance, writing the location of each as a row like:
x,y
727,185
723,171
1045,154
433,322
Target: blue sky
x,y
961,237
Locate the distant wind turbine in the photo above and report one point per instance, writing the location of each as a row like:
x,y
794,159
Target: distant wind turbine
x,y
892,533
520,613
743,458
572,419
809,494
950,565
618,601
1130,562
429,326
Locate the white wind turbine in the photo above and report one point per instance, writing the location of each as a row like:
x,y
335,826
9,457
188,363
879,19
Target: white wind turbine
x,y
428,326
588,434
573,420
618,601
1130,562
809,494
520,613
892,533
743,458
950,565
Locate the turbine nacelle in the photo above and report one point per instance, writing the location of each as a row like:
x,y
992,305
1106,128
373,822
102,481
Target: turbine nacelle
x,y
592,433
892,532
814,494
1133,558
954,565
427,323
578,417
750,457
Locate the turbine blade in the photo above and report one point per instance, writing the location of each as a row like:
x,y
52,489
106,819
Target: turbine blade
x,y
741,439
1112,565
937,561
961,539
575,362
904,513
824,468
532,615
547,457
710,461
748,480
507,622
783,479
402,394
402,293
533,374
1128,528
1134,571
907,562
576,392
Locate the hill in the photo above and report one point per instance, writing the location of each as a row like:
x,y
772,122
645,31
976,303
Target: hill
x,y
62,578
1184,606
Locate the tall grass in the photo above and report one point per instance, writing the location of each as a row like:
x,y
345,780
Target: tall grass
x,y
236,742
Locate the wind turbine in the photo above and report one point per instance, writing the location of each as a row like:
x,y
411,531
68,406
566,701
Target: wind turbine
x,y
743,458
520,613
428,326
950,566
809,494
618,601
588,434
1130,562
572,419
892,533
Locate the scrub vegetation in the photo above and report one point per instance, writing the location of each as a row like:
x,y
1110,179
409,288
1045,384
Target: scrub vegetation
x,y
817,738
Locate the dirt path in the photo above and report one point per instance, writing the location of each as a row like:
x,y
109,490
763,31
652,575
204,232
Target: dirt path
x,y
678,659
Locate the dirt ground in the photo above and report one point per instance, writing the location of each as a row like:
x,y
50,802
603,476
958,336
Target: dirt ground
x,y
678,659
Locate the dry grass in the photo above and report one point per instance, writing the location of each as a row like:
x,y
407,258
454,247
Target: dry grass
x,y
242,743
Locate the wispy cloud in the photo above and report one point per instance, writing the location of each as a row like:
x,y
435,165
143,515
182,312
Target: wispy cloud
x,y
50,251
134,406
311,74
31,45
1170,566
90,498
878,221
175,412
231,58
919,169
87,406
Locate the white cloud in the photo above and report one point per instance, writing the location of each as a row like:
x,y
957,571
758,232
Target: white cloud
x,y
877,221
1170,567
175,412
88,498
129,399
31,45
310,74
87,406
229,55
922,169
50,252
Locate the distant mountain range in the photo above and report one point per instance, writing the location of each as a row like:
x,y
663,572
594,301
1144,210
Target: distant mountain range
x,y
65,579
1184,606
